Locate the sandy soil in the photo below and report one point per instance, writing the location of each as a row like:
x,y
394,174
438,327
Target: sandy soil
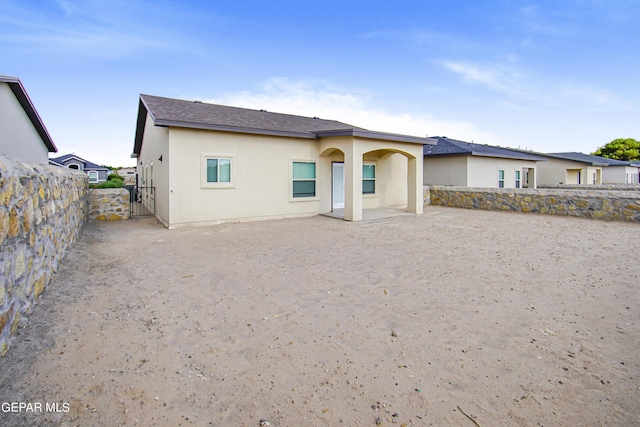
x,y
455,317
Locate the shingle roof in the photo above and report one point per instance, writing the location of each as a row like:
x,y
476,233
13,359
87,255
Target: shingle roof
x,y
200,115
453,147
87,164
609,162
579,157
23,98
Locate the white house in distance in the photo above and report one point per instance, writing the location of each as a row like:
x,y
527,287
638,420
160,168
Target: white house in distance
x,y
22,132
467,164
201,163
571,168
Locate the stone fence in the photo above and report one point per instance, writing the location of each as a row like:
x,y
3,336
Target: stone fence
x,y
109,204
606,187
600,204
42,209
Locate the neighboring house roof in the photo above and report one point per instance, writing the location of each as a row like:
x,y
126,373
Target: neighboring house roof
x,y
200,115
579,157
615,162
23,98
87,164
453,147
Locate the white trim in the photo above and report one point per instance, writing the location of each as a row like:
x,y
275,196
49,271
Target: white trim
x,y
203,171
290,186
375,179
79,165
96,175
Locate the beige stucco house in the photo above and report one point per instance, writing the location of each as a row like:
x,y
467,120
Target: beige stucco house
x,y
570,168
22,132
620,172
201,163
467,164
129,175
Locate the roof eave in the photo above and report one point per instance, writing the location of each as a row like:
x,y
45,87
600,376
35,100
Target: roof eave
x,y
507,156
362,133
23,98
236,129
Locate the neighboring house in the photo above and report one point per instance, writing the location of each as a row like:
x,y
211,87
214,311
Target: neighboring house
x,y
621,172
96,172
129,175
22,132
467,164
570,168
203,163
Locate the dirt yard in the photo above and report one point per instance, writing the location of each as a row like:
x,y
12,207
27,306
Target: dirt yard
x,y
455,317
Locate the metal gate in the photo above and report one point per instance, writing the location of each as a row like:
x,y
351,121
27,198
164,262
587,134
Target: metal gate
x,y
142,201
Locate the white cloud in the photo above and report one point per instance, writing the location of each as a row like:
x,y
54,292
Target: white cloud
x,y
318,98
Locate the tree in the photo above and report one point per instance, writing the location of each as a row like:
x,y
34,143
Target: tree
x,y
620,149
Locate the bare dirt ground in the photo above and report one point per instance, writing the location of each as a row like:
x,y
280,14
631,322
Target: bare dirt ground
x,y
455,317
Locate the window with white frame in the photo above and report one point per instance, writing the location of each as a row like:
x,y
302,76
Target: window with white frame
x,y
304,179
594,178
368,179
500,178
517,179
217,170
93,177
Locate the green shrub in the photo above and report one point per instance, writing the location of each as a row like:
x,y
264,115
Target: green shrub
x,y
108,184
115,177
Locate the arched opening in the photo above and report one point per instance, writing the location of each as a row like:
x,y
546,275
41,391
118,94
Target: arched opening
x,y
73,166
369,179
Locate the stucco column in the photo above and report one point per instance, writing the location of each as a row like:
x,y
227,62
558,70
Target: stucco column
x,y
352,184
414,185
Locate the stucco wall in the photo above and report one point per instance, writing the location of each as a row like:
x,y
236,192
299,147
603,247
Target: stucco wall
x,y
599,204
261,170
18,137
42,209
443,170
556,171
109,204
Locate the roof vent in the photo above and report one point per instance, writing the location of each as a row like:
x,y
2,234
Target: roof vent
x,y
444,137
197,102
316,117
263,110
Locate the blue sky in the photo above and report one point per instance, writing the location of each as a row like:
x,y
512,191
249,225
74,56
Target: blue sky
x,y
544,75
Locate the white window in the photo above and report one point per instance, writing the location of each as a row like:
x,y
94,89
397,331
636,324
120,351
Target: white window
x,y
93,177
500,178
368,179
304,179
517,179
217,171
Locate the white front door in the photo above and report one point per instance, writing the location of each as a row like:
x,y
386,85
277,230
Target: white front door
x,y
337,174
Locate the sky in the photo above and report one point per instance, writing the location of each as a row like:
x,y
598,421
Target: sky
x,y
548,76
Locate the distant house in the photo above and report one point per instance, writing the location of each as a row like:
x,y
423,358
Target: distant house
x,y
467,164
201,163
22,132
621,172
129,175
571,168
96,172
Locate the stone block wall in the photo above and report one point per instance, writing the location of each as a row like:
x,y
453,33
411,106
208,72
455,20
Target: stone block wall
x,y
109,204
599,204
606,187
42,210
